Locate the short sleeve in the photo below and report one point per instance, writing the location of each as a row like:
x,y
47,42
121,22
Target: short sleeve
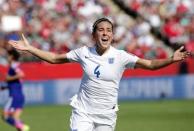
x,y
75,55
128,59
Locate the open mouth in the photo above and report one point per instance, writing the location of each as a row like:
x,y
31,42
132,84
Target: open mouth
x,y
104,39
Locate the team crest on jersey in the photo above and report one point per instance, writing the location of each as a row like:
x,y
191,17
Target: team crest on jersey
x,y
111,60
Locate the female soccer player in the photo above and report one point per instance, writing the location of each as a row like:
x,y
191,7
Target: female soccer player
x,y
95,105
14,106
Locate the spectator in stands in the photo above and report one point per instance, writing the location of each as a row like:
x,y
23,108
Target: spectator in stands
x,y
43,23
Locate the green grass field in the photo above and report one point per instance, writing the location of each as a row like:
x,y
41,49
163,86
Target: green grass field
x,y
132,116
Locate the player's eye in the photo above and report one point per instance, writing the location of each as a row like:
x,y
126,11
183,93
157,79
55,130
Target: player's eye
x,y
109,30
100,29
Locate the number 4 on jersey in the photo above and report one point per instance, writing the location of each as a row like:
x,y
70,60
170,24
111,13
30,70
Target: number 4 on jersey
x,y
96,71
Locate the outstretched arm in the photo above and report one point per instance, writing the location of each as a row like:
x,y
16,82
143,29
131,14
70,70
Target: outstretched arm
x,y
160,63
50,57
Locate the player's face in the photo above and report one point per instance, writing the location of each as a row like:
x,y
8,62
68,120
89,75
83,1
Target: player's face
x,y
103,35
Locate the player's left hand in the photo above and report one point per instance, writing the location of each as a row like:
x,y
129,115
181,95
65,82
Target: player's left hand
x,y
179,54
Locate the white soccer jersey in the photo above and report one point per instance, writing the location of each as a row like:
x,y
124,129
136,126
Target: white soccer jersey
x,y
98,91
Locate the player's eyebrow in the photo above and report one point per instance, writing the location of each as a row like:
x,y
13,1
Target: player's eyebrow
x,y
108,28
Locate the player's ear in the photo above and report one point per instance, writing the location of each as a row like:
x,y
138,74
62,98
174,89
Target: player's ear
x,y
93,37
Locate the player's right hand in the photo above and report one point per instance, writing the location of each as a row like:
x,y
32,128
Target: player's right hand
x,y
22,44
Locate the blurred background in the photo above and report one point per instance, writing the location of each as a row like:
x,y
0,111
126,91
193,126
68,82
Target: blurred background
x,y
151,29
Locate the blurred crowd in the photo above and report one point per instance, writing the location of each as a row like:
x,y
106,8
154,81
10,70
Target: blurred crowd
x,y
63,25
173,18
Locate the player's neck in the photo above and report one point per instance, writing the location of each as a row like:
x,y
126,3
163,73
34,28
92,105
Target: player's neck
x,y
101,51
